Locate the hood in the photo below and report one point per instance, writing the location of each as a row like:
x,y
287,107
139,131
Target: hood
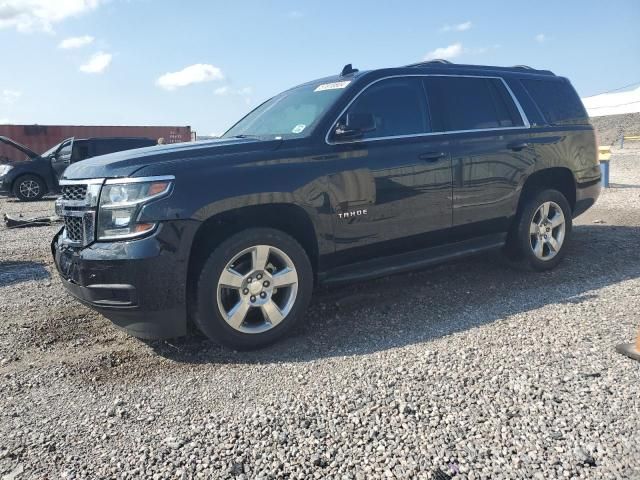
x,y
126,163
18,146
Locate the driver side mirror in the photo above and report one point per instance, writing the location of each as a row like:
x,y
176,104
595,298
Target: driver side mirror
x,y
356,124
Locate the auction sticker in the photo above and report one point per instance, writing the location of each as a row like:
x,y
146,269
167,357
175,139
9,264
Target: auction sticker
x,y
298,128
332,86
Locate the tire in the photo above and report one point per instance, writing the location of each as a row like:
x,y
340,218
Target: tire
x,y
28,188
231,309
541,242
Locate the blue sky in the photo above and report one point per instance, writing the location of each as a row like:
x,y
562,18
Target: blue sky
x,y
118,52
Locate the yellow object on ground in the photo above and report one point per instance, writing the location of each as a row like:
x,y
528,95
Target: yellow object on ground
x,y
604,153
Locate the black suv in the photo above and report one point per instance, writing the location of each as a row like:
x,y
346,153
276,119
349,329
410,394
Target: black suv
x,y
349,177
32,176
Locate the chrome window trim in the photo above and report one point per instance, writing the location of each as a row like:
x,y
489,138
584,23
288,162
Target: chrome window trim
x,y
526,125
112,181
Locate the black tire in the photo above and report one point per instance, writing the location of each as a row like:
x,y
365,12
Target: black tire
x,y
520,241
29,188
207,314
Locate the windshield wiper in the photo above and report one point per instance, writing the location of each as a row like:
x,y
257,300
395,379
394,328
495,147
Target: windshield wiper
x,y
246,136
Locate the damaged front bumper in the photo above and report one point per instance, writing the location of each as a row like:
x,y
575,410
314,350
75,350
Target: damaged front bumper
x,y
139,285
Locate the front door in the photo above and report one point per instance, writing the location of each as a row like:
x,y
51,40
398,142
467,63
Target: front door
x,y
62,158
390,190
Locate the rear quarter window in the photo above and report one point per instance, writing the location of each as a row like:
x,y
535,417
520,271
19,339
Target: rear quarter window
x,y
557,100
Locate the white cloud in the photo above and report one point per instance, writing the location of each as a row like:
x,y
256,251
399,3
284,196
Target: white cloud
x,y
30,15
9,96
76,42
198,73
98,63
445,53
459,27
613,103
541,38
5,121
241,92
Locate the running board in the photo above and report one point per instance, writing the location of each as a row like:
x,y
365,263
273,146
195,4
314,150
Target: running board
x,y
416,260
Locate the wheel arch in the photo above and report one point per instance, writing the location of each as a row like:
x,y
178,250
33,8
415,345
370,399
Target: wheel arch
x,y
289,218
558,178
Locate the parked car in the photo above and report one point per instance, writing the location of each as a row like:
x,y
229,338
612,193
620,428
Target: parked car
x,y
341,179
32,176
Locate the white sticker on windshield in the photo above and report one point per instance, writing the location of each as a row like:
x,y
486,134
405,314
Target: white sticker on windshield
x,y
332,86
298,128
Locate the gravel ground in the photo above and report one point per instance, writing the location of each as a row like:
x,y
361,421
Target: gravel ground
x,y
611,127
470,370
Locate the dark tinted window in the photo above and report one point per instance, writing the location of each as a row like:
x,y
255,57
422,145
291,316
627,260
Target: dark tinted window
x,y
80,150
464,103
557,100
398,106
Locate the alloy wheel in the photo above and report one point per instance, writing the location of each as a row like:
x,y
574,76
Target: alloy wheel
x,y
29,189
547,231
257,289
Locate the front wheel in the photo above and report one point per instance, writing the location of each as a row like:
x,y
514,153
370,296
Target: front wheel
x,y
543,228
28,188
253,288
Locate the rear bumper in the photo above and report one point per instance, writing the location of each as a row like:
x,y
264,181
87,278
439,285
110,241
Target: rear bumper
x,y
586,195
139,285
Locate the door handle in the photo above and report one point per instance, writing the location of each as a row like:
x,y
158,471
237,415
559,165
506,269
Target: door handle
x,y
516,147
432,156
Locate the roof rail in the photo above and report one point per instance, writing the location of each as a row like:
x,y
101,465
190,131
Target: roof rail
x,y
427,62
523,67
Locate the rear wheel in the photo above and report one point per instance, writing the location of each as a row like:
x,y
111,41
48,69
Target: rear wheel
x,y
253,288
542,230
28,188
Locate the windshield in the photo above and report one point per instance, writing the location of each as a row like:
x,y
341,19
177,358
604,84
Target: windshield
x,y
292,114
50,151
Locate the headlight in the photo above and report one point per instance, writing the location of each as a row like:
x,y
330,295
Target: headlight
x,y
121,203
4,169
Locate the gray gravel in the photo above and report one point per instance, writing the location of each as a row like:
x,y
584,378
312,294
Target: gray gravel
x,y
469,370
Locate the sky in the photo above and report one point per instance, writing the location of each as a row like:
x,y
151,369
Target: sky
x,y
207,63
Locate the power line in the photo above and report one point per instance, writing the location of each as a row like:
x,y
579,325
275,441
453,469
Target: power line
x,y
614,90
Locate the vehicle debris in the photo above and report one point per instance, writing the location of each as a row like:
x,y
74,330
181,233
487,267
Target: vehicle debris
x,y
20,221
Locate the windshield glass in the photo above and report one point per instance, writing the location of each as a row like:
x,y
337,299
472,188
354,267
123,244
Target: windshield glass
x,y
292,114
50,151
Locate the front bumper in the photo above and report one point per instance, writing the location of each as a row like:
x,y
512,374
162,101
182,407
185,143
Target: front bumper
x,y
140,285
5,185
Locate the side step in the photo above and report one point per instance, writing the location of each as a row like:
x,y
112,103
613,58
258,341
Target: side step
x,y
416,260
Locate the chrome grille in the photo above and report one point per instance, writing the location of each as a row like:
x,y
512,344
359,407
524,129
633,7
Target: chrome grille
x,y
77,206
74,192
74,228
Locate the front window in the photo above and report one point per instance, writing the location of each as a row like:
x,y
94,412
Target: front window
x,y
292,114
397,107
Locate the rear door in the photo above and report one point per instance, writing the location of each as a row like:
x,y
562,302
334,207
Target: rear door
x,y
391,191
491,151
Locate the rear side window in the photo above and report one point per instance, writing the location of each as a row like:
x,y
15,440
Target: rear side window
x,y
466,103
557,101
104,147
398,106
80,151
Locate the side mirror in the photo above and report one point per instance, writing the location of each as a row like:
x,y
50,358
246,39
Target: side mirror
x,y
356,124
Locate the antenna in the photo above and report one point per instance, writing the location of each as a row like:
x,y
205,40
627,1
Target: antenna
x,y
348,70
